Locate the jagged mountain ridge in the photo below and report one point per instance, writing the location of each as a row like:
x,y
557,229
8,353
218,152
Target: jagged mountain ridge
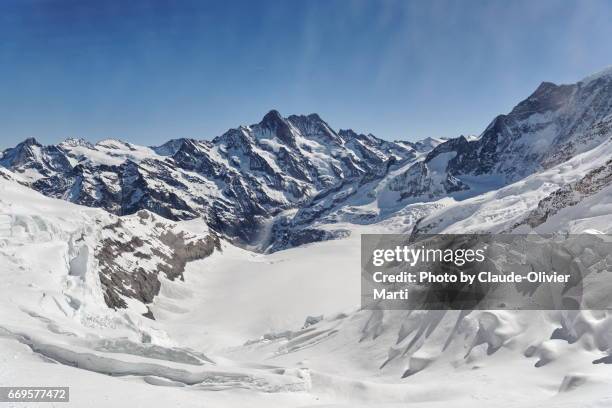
x,y
118,262
136,257
571,194
237,181
552,125
269,184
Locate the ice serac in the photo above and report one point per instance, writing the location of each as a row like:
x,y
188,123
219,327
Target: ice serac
x,y
92,290
117,260
552,125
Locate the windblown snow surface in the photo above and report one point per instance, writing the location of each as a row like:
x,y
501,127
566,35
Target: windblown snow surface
x,y
285,329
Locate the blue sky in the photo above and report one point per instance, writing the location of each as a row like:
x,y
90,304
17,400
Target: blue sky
x,y
148,71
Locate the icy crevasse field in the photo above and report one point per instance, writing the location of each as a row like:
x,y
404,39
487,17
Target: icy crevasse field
x,y
236,333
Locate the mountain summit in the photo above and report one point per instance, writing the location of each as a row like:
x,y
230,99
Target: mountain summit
x,y
555,123
268,184
237,182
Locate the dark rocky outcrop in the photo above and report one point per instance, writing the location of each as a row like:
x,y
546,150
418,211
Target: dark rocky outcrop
x,y
130,262
238,181
551,126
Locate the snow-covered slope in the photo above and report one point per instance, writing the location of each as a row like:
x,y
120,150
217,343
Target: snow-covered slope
x,y
552,125
60,265
424,145
529,202
282,329
98,257
270,185
425,358
147,299
238,182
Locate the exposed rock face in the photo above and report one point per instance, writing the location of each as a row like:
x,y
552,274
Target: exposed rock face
x,y
288,237
268,185
133,252
31,157
552,125
237,182
570,195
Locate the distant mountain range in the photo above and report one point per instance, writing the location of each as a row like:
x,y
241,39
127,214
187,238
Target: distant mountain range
x,y
131,269
268,185
238,182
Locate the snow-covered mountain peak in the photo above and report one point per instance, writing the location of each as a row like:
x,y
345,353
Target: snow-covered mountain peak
x,y
28,146
422,146
75,142
427,144
605,74
313,128
32,160
80,282
274,123
112,143
348,134
109,152
238,181
30,141
170,147
267,184
553,124
547,97
271,117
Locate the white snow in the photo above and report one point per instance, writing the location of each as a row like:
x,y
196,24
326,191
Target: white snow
x,y
111,152
235,325
497,210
